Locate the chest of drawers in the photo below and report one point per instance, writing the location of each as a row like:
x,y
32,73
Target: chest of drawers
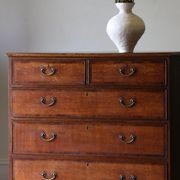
x,y
94,116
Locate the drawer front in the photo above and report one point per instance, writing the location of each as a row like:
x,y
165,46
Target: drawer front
x,y
88,138
72,170
127,104
48,72
128,73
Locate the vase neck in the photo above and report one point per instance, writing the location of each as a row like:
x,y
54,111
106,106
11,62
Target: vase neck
x,y
125,7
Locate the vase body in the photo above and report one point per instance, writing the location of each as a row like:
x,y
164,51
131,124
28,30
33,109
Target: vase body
x,y
125,28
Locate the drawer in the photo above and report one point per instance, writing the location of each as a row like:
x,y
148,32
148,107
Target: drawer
x,y
87,138
127,104
31,72
128,72
74,170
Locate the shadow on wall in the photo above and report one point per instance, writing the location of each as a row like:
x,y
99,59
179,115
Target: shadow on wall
x,y
4,172
3,119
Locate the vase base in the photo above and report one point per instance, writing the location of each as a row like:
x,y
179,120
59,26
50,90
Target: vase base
x,y
126,50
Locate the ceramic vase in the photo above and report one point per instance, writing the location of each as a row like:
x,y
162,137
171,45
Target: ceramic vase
x,y
125,28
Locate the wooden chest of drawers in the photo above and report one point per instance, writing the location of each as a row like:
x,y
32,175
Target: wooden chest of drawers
x,y
93,116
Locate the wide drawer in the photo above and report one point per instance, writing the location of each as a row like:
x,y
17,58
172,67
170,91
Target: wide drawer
x,y
128,72
87,138
74,170
127,104
30,72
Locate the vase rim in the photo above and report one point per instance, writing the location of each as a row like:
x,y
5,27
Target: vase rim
x,y
124,1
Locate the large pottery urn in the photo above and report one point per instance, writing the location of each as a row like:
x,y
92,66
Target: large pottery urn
x,y
125,28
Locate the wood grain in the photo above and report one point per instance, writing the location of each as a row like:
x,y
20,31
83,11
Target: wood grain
x,y
105,103
92,55
66,73
93,104
88,138
67,170
145,73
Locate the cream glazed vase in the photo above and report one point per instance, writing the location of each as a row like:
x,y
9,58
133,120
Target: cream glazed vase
x,y
125,29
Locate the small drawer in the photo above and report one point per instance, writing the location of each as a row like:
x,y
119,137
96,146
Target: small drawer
x,y
87,138
121,104
127,72
74,170
31,72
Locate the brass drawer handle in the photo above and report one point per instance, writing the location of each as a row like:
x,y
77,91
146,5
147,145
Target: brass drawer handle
x,y
46,177
51,102
127,71
127,104
131,139
47,70
45,138
132,177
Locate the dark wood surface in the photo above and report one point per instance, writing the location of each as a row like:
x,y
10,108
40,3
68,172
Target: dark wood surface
x,y
99,103
90,55
65,73
90,139
145,73
87,116
67,170
174,115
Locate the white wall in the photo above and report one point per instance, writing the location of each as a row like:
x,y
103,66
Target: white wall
x,y
61,26
12,37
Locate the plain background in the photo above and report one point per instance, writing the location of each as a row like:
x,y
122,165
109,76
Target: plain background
x,y
74,26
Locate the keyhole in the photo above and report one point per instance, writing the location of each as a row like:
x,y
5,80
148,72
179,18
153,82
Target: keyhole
x,y
87,127
87,94
87,164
